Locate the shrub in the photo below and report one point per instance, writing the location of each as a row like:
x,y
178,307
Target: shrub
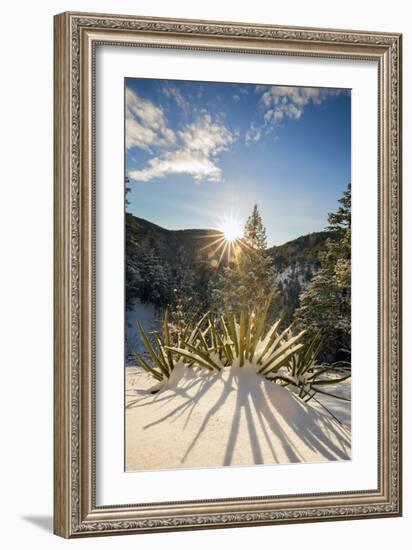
x,y
305,374
216,343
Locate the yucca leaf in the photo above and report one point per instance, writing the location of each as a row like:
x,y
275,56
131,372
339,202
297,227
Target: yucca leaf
x,y
323,370
204,355
330,381
153,372
202,341
224,328
227,340
194,357
260,326
193,334
273,339
226,351
231,325
161,352
279,360
166,336
183,336
229,352
280,348
219,346
249,327
283,378
308,357
156,360
214,331
205,332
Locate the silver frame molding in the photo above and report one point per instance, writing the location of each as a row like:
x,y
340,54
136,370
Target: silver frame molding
x,y
75,39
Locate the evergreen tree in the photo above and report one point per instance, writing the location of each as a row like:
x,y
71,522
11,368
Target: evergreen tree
x,y
184,304
127,190
326,304
246,283
155,274
133,280
255,232
289,291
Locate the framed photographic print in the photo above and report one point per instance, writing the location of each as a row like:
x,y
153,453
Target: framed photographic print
x,y
227,274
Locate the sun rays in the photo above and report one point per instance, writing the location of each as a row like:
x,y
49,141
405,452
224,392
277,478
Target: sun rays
x,y
231,228
227,241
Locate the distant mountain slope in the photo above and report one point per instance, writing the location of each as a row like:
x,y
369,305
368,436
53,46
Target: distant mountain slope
x,y
304,249
296,263
156,258
168,241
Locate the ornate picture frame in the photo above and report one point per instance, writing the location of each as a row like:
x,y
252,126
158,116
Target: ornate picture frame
x,y
76,511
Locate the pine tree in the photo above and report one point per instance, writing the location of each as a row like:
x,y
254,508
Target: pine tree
x,y
155,274
127,190
326,304
290,288
255,232
184,306
133,279
247,283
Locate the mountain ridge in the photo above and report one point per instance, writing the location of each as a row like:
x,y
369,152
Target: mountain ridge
x,y
154,254
210,232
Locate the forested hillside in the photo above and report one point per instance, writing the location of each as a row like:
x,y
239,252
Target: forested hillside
x,y
189,272
162,264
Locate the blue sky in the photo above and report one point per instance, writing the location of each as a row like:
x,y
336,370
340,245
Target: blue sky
x,y
198,152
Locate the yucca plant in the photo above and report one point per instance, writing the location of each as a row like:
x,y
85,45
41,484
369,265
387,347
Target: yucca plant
x,y
305,374
243,341
228,340
216,343
200,346
163,352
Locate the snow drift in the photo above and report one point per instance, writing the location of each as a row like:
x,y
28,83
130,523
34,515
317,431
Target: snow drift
x,y
231,417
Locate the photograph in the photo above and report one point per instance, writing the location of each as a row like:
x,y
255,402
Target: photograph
x,y
237,282
227,272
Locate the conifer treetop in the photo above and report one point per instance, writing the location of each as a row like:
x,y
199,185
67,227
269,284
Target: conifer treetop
x,y
255,232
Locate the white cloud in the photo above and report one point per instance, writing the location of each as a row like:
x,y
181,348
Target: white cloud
x,y
172,92
281,102
261,88
181,161
290,101
206,136
253,134
236,97
146,124
200,143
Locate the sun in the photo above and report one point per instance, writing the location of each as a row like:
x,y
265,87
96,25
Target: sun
x,y
231,228
226,242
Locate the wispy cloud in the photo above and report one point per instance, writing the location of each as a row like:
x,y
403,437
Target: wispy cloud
x,y
200,143
172,92
146,124
236,97
290,101
253,134
280,102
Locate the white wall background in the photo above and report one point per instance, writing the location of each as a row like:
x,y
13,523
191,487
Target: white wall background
x,y
26,270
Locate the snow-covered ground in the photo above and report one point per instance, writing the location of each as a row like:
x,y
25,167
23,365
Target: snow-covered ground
x,y
236,417
339,408
148,317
